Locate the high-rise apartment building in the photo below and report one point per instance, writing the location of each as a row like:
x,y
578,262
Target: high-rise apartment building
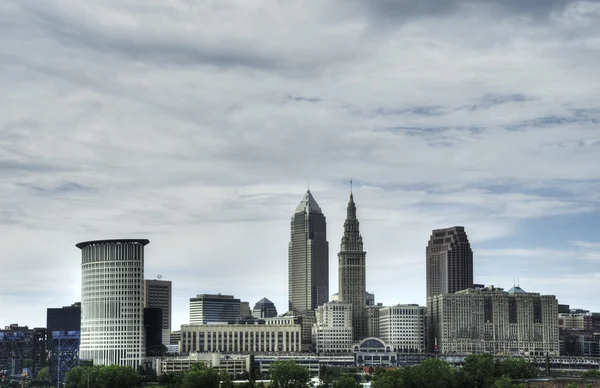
x,y
112,302
210,308
352,271
449,261
308,258
491,320
158,294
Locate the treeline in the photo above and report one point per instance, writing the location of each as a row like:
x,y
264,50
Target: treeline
x,y
478,371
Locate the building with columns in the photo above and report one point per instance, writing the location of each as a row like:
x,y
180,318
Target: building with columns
x,y
273,336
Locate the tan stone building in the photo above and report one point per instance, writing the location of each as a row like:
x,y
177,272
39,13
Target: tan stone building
x,y
492,320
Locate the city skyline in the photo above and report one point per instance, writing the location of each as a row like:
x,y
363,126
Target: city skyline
x,y
136,121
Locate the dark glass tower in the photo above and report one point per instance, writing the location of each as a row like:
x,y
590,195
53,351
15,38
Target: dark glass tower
x,y
449,261
352,271
308,258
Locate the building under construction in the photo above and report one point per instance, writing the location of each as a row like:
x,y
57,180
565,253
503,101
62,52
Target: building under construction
x,y
22,350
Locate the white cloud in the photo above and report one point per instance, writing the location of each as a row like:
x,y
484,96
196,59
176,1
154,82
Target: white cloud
x,y
198,124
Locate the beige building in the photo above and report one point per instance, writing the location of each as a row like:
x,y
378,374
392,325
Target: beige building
x,y
403,327
332,333
240,338
492,320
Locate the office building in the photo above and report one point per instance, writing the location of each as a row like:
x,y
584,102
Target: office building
x,y
352,271
332,332
370,299
245,311
63,327
491,320
308,258
403,327
153,331
256,338
158,294
372,320
449,261
214,308
112,302
264,308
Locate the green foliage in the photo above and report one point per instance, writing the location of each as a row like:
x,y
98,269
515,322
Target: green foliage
x,y
102,376
392,378
481,370
43,374
346,381
593,374
503,382
518,368
200,376
288,374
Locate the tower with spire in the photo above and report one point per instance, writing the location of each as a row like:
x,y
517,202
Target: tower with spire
x,y
308,258
352,271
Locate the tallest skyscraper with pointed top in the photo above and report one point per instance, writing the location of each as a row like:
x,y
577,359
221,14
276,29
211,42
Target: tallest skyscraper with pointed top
x,y
353,271
308,260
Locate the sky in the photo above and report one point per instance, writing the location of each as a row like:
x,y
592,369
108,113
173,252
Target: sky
x,y
200,124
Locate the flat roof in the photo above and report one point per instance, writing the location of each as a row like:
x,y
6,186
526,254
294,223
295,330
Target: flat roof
x,y
84,244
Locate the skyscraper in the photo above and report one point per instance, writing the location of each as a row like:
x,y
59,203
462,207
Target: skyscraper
x,y
449,261
352,271
112,302
308,258
158,294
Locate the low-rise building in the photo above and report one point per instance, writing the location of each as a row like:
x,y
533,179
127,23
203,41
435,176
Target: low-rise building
x,y
241,338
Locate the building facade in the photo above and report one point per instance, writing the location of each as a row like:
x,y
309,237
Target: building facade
x,y
494,321
352,271
372,321
308,258
63,339
449,261
158,294
240,338
214,308
332,333
264,308
403,327
112,302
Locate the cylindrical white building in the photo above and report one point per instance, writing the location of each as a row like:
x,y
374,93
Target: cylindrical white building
x,y
112,302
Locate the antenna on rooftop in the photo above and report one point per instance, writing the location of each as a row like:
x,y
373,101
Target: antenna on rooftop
x,y
159,276
350,185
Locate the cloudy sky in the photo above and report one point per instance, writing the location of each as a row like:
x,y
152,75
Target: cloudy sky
x,y
198,125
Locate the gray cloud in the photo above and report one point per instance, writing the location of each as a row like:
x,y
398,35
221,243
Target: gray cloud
x,y
198,124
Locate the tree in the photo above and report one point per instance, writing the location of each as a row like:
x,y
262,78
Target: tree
x,y
346,381
503,382
481,370
393,378
288,374
518,368
43,374
201,376
431,373
102,376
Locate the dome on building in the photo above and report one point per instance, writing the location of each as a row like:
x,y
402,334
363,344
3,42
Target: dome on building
x,y
516,290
